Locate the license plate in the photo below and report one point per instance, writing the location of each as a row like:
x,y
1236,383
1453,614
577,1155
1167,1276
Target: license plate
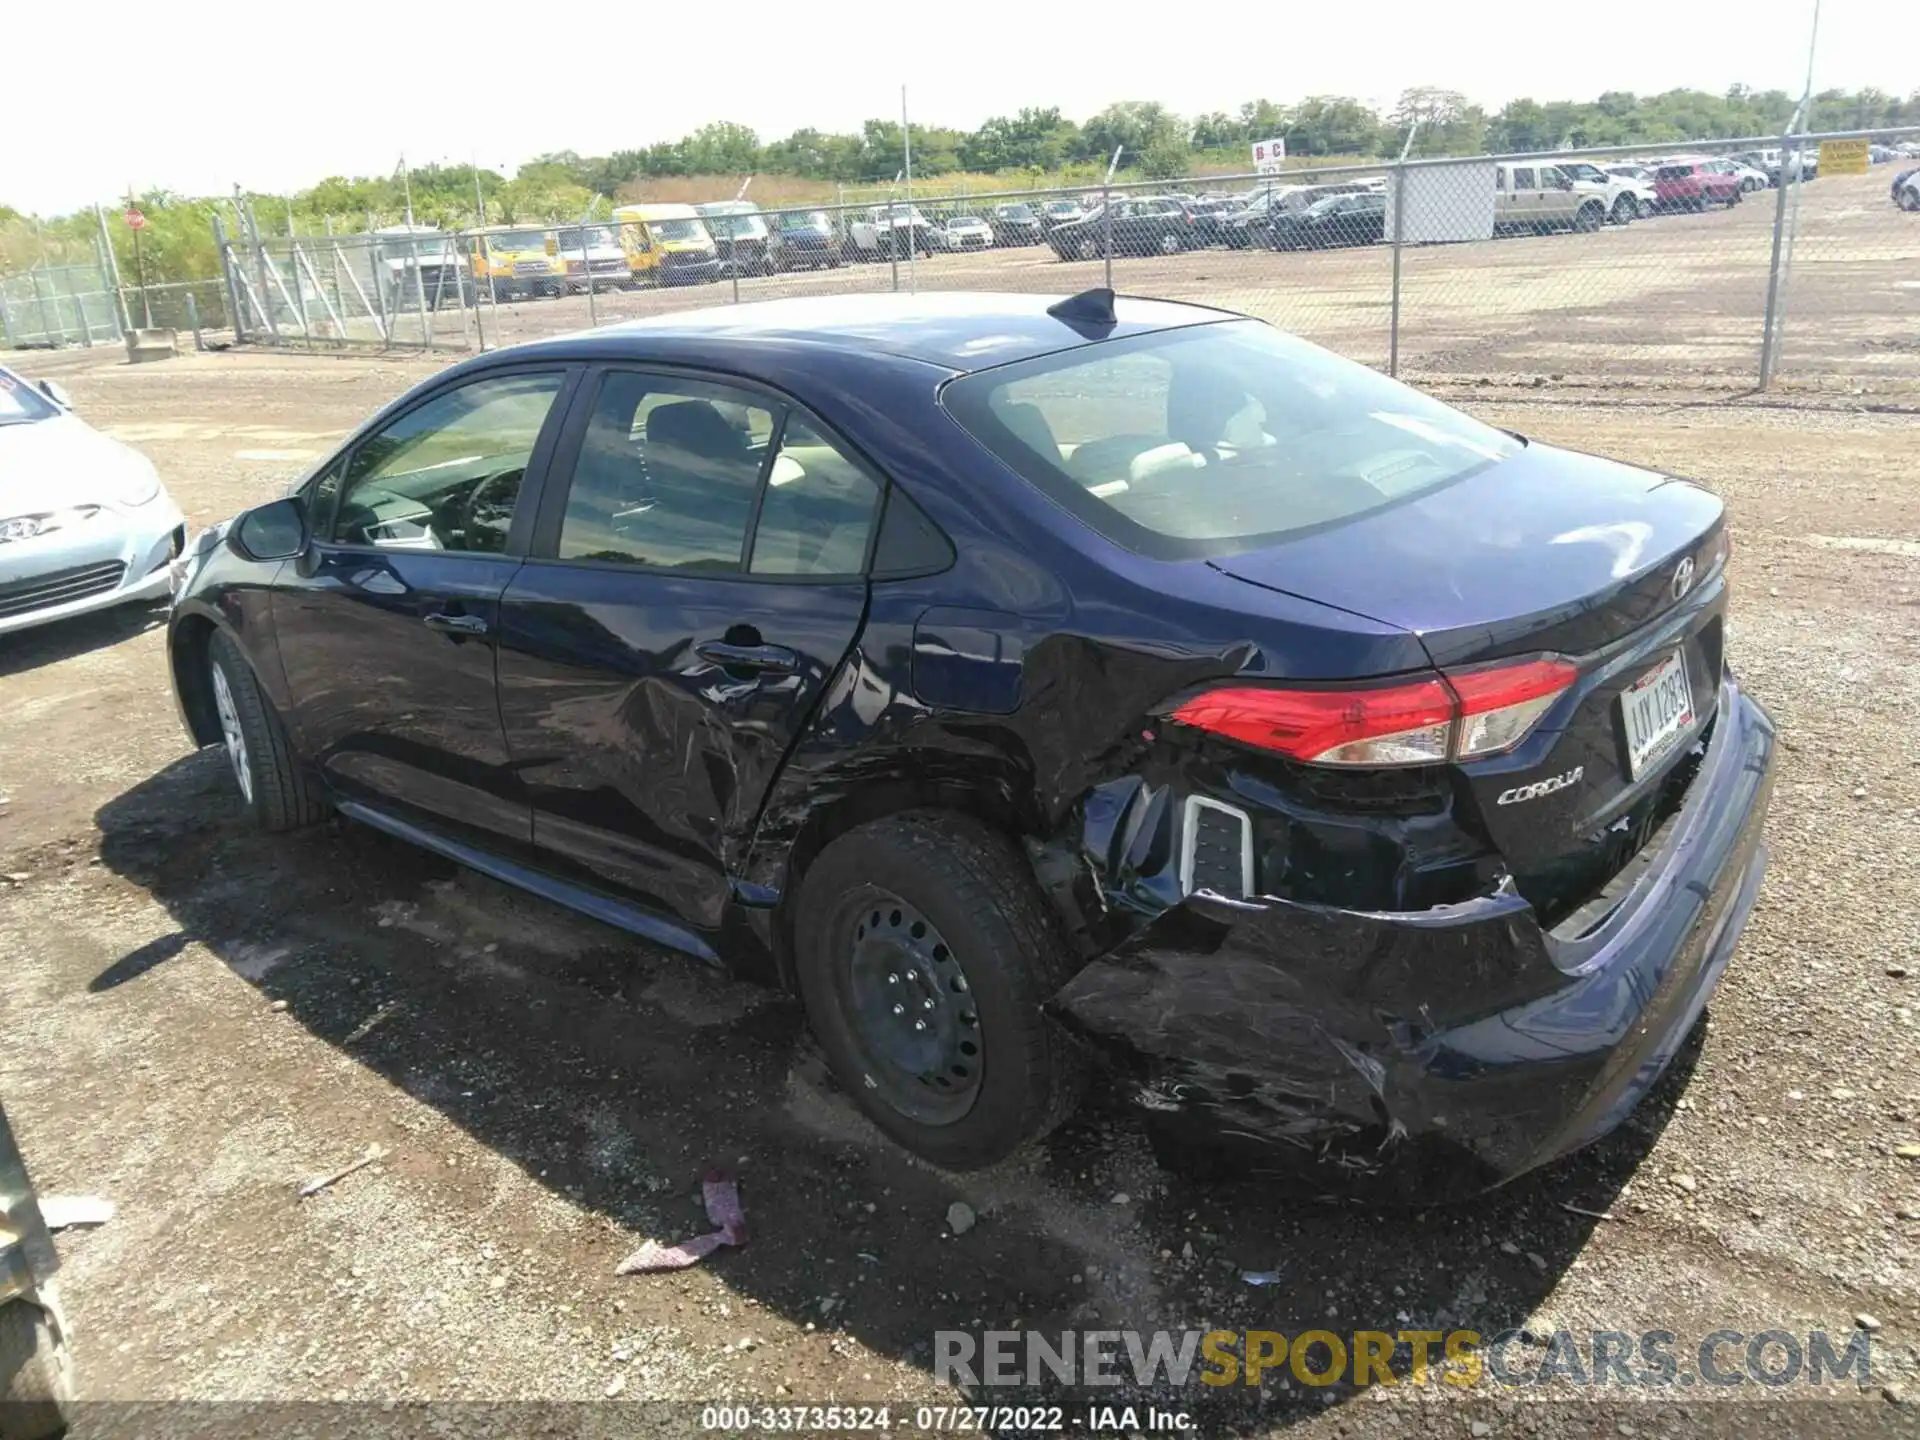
x,y
1658,711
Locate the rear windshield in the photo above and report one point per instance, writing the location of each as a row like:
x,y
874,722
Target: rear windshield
x,y
1673,172
1216,438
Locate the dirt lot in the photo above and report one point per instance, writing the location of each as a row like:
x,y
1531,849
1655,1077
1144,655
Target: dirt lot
x,y
199,1018
1674,299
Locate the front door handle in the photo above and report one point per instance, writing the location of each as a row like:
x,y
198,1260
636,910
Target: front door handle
x,y
456,624
776,658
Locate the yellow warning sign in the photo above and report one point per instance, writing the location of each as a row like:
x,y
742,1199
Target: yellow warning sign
x,y
1843,157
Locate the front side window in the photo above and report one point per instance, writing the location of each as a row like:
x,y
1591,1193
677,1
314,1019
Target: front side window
x,y
446,475
1216,438
1523,180
667,475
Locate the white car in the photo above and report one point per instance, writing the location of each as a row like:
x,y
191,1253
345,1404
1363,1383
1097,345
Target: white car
x,y
1629,197
969,232
84,521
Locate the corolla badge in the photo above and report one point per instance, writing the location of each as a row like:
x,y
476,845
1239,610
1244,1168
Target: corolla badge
x,y
1547,786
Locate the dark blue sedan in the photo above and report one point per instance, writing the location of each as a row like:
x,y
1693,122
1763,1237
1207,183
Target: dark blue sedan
x,y
1043,690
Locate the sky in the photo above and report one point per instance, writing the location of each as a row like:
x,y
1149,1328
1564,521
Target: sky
x,y
275,97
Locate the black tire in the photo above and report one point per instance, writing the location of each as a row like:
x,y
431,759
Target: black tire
x,y
36,1378
978,893
1625,210
1589,218
275,788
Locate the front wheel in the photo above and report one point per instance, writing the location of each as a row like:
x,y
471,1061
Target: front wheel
x,y
1624,210
1646,209
274,785
1171,245
1910,198
924,953
36,1377
1587,218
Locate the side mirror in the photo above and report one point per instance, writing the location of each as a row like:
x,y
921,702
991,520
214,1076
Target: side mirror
x,y
277,531
57,393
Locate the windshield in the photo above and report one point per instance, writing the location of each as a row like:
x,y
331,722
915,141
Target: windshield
x,y
518,240
681,228
20,403
1216,438
1061,207
595,237
810,220
744,222
1015,212
968,222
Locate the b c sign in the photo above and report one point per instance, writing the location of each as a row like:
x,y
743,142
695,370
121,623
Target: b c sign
x,y
1269,155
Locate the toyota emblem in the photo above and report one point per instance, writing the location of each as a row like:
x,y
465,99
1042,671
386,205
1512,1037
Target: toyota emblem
x,y
1683,577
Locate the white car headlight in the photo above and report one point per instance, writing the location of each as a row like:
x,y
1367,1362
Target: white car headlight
x,y
136,487
30,527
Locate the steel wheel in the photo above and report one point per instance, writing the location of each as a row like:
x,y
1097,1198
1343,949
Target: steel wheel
x,y
231,734
1170,245
912,1013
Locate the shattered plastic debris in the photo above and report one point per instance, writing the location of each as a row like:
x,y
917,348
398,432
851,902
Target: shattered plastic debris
x,y
1260,1277
722,1197
64,1212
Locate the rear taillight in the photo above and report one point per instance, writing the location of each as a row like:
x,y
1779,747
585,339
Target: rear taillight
x,y
1458,715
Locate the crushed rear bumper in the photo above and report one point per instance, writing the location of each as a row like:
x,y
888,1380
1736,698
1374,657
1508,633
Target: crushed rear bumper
x,y
1439,1052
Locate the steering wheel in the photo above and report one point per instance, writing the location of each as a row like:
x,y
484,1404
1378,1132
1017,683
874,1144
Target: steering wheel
x,y
485,509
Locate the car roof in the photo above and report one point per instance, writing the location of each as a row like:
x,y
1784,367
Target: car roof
x,y
958,330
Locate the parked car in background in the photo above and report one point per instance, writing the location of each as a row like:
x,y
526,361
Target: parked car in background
x,y
516,262
804,239
1694,184
1628,197
740,236
668,245
593,250
1332,222
1800,163
85,523
1355,779
1248,226
1017,223
1751,177
895,231
1059,212
419,266
1538,198
1210,218
1154,225
1906,189
968,232
1878,154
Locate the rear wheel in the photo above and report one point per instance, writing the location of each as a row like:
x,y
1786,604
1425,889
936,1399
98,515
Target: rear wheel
x,y
924,953
36,1378
1588,218
1170,244
274,786
1646,209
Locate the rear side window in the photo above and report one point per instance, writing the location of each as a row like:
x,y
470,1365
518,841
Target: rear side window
x,y
1216,438
667,474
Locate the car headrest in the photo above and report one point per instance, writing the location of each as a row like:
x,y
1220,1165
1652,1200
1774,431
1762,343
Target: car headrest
x,y
696,427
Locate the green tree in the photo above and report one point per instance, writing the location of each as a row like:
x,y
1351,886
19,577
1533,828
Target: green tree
x,y
1136,125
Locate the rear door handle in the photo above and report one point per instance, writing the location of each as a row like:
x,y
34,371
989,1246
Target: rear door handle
x,y
777,658
455,624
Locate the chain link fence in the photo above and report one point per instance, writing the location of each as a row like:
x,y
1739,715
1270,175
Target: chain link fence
x,y
1724,265
50,306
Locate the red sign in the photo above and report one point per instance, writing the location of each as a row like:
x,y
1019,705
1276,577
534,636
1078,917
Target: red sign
x,y
135,220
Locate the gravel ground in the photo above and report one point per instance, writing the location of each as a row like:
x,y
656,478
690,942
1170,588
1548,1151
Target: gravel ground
x,y
201,1018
